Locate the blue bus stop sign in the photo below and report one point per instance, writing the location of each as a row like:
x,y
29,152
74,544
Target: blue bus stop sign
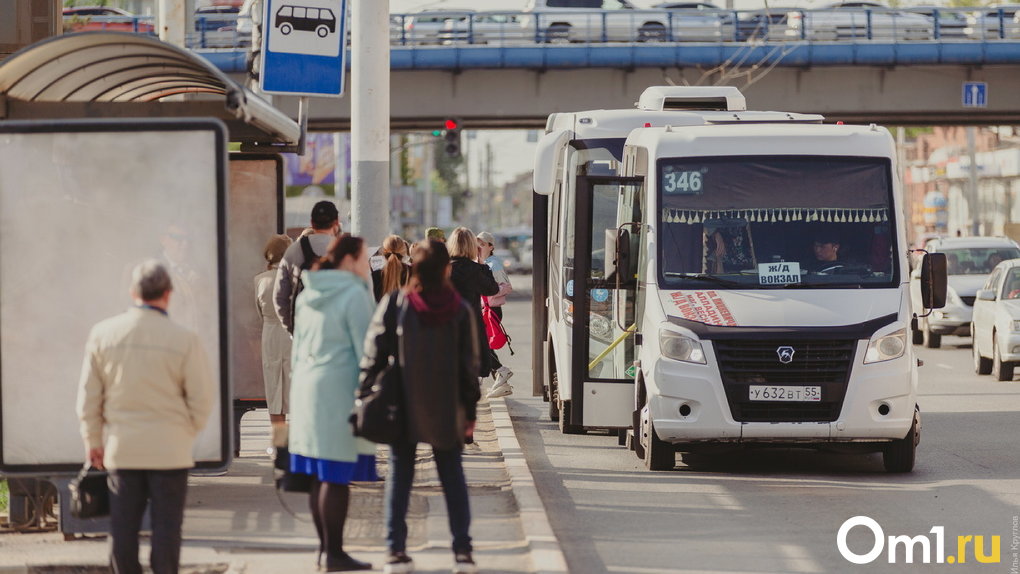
x,y
303,45
975,95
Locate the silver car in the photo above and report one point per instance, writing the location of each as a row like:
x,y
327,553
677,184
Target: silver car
x,y
996,325
994,23
424,28
859,21
484,28
970,260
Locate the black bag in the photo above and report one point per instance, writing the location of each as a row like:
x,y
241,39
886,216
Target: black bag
x,y
309,259
90,494
289,481
378,412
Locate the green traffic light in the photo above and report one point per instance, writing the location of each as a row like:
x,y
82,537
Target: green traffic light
x,y
437,133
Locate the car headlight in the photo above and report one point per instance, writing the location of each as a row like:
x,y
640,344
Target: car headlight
x,y
1016,325
681,348
887,347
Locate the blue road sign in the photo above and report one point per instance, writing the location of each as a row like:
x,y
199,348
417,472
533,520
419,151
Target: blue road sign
x,y
975,95
303,45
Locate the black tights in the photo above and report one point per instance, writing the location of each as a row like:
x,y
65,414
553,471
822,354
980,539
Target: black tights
x,y
329,503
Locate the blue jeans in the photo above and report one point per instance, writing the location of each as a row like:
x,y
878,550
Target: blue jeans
x,y
131,491
398,495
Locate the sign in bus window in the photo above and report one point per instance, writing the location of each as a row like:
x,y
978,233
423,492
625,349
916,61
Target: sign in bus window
x,y
683,181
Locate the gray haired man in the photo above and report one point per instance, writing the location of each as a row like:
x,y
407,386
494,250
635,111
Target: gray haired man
x,y
146,390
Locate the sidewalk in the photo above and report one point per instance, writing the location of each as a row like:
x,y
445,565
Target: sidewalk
x,y
238,523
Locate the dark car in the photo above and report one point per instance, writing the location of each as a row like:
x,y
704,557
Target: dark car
x,y
322,21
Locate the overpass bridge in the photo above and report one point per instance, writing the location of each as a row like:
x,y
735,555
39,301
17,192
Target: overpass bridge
x,y
918,83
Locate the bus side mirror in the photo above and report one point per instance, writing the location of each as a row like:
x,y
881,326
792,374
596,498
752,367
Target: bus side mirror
x,y
617,256
934,280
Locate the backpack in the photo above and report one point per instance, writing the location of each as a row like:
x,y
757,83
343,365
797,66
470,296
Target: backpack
x,y
494,331
309,259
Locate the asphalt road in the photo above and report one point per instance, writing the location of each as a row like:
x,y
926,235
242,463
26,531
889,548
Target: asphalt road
x,y
779,511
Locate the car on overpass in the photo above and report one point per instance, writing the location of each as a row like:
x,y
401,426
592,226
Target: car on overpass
x,y
484,28
858,20
996,324
424,28
564,21
698,21
949,23
995,23
970,260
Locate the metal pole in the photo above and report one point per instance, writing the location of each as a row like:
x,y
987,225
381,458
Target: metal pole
x,y
430,166
370,120
172,21
975,199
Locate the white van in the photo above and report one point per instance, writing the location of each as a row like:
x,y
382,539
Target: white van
x,y
701,261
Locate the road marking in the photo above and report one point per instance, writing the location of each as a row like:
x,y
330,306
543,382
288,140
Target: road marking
x,y
943,366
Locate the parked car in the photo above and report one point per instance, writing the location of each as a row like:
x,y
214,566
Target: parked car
x,y
858,21
104,18
483,28
561,21
423,28
970,260
994,23
948,22
996,325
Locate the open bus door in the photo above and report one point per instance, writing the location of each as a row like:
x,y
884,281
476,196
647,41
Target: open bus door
x,y
602,339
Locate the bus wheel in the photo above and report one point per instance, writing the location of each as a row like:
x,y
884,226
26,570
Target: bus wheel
x,y
322,31
286,29
659,454
899,455
554,400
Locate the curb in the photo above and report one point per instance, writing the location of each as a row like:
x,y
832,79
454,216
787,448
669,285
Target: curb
x,y
546,554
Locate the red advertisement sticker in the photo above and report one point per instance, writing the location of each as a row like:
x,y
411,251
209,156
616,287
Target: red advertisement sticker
x,y
704,307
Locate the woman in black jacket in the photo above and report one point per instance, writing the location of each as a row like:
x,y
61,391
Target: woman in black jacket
x,y
472,280
439,396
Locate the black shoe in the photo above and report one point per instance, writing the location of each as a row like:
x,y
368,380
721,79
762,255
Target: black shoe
x,y
398,563
345,563
464,564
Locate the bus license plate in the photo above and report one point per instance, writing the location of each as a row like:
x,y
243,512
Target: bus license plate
x,y
784,393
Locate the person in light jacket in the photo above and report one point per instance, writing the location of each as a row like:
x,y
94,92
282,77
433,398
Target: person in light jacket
x,y
440,396
500,373
275,338
146,390
331,317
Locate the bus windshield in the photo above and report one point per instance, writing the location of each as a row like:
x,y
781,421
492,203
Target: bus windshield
x,y
767,222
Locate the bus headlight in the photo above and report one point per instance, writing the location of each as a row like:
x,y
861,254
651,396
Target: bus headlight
x,y
681,348
887,347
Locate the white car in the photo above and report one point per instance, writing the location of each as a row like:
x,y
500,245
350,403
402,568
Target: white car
x,y
994,23
424,28
858,21
970,260
484,28
563,21
996,325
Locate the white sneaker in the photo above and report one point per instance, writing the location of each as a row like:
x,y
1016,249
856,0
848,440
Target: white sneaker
x,y
500,390
503,375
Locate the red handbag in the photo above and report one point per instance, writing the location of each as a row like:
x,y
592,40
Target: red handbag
x,y
494,330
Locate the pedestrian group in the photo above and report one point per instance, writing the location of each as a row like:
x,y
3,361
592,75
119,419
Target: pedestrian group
x,y
335,313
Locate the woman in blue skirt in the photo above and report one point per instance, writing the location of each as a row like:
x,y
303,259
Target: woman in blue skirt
x,y
331,317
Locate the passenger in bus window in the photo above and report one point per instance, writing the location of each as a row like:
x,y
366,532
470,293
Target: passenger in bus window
x,y
826,248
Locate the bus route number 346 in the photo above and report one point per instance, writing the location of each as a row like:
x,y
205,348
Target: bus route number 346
x,y
682,182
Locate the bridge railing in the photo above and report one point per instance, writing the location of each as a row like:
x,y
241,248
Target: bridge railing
x,y
438,29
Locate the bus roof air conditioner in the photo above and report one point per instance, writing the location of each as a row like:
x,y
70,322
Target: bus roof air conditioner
x,y
692,98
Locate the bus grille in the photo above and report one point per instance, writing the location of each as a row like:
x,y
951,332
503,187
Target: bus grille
x,y
819,362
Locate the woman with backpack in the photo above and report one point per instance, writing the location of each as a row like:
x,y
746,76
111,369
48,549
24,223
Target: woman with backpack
x,y
439,396
332,314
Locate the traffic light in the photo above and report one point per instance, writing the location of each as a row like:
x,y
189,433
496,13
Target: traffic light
x,y
452,137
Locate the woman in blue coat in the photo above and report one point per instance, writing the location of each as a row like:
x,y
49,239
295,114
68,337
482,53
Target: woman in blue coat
x,y
331,317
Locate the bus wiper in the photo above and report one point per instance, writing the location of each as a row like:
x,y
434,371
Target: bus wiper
x,y
803,285
705,277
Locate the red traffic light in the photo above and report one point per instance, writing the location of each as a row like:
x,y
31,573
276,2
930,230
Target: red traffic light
x,y
451,124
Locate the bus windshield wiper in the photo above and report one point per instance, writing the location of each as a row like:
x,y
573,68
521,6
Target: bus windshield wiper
x,y
803,285
706,277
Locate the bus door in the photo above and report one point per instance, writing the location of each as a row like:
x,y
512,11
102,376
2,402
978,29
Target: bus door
x,y
602,373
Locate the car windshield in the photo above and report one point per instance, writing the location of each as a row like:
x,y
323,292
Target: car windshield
x,y
766,222
977,260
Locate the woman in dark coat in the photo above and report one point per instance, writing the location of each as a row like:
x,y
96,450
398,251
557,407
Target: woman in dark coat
x,y
472,280
440,396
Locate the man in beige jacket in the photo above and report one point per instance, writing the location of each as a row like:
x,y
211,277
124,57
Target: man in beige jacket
x,y
146,391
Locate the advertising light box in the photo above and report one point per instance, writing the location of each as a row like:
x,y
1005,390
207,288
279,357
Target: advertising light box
x,y
82,203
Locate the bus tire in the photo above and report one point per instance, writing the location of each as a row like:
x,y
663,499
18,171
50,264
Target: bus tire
x,y
322,31
286,29
931,340
639,447
554,400
899,455
659,454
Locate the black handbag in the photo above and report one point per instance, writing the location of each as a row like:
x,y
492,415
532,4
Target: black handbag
x,y
378,412
90,494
